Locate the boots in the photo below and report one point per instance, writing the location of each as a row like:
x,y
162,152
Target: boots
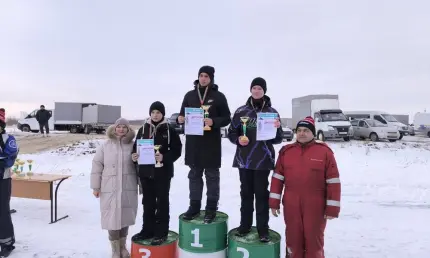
x,y
193,211
123,248
115,244
210,213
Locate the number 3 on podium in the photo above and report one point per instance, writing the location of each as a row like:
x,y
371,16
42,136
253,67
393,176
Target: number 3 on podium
x,y
196,243
146,253
244,251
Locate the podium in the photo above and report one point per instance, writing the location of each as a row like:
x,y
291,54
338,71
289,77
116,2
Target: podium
x,y
250,246
200,240
144,249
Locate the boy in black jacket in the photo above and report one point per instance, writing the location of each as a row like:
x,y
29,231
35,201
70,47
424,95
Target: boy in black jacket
x,y
156,181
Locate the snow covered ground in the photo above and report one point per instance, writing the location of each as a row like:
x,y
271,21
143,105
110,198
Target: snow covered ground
x,y
385,198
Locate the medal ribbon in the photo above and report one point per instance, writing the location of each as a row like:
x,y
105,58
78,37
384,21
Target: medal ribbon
x,y
202,100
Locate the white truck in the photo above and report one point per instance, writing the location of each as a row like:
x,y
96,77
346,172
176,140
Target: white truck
x,y
74,117
330,122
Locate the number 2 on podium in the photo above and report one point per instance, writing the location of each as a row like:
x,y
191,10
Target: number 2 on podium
x,y
244,251
196,243
146,253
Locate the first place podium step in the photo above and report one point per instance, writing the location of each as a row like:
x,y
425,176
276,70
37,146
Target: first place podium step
x,y
200,240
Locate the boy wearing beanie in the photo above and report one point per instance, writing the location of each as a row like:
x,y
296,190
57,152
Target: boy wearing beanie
x,y
203,153
155,181
8,154
254,160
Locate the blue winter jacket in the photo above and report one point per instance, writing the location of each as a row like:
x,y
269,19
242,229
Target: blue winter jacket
x,y
8,155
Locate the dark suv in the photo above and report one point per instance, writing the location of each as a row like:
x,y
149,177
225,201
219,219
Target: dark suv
x,y
173,123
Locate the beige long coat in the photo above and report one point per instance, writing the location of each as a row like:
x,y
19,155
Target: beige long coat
x,y
114,174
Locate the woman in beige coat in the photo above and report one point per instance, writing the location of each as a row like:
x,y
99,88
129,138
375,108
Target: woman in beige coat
x,y
114,181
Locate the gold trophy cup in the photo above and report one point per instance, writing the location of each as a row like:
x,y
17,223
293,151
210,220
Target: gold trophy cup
x,y
206,108
21,167
244,120
157,148
30,166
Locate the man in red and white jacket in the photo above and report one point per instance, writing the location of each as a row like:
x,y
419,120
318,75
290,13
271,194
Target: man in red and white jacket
x,y
308,174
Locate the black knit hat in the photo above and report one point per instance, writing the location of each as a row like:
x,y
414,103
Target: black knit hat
x,y
260,82
157,105
209,70
308,122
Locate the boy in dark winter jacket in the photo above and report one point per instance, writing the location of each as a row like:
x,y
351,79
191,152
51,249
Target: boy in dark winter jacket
x,y
156,180
203,153
254,159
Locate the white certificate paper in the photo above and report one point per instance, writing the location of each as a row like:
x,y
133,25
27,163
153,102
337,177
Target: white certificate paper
x,y
266,129
145,149
194,121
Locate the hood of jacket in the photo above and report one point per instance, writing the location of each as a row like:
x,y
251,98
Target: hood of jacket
x,y
128,138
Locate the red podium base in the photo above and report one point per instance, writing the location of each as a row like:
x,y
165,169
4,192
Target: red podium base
x,y
144,249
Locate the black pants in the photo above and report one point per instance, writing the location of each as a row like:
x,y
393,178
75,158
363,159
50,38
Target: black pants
x,y
195,177
254,182
7,235
156,205
44,125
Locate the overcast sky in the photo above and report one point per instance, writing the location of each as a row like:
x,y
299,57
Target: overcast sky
x,y
374,54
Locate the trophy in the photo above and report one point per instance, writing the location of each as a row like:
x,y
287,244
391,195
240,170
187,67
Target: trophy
x,y
30,165
244,120
206,108
157,148
21,168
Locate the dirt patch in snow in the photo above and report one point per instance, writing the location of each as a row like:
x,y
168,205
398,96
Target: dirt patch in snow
x,y
33,143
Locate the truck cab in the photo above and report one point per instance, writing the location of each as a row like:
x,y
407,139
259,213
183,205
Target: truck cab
x,y
332,124
30,124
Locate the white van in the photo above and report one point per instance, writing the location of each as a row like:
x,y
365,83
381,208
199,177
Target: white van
x,y
380,116
30,124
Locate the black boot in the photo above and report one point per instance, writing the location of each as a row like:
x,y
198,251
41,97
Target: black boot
x,y
264,235
210,214
158,240
243,231
143,235
193,211
6,250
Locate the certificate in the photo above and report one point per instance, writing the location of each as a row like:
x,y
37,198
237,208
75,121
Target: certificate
x,y
266,129
145,149
194,121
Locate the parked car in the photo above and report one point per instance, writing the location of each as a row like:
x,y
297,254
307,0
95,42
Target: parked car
x,y
172,120
288,134
411,130
375,130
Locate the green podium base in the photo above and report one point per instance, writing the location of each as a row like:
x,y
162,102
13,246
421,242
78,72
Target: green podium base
x,y
250,246
197,239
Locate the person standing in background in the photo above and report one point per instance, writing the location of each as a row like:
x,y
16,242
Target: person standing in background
x,y
203,153
42,117
254,159
307,173
8,154
114,181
